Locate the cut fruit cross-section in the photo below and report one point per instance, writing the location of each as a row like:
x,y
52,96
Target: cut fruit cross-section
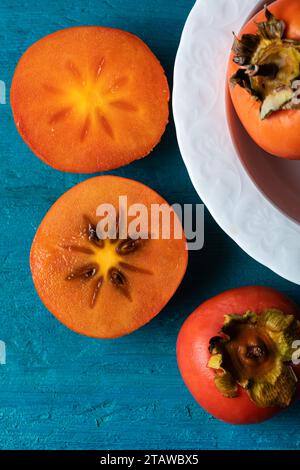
x,y
88,99
106,287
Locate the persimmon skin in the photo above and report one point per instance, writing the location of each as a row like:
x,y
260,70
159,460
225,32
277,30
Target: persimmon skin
x,y
89,99
278,134
69,301
193,355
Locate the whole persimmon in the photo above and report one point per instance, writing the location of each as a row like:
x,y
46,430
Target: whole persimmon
x,y
105,281
235,354
90,98
264,78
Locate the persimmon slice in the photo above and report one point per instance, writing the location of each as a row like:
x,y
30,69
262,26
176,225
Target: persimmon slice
x,y
88,99
107,287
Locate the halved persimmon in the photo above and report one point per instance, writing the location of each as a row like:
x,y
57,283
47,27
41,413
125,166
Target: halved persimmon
x,y
108,287
88,99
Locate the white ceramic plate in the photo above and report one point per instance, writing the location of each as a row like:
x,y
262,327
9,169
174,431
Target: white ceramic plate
x,y
260,228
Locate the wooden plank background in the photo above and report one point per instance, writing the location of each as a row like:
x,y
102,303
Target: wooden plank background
x,y
60,390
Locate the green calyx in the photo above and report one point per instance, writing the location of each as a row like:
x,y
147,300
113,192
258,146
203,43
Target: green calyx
x,y
269,66
255,352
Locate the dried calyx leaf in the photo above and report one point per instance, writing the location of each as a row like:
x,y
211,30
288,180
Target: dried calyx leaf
x,y
242,79
224,380
269,65
272,28
226,384
254,352
275,101
244,48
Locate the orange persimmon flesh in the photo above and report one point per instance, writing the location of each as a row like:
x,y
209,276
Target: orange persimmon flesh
x,y
104,288
88,99
278,134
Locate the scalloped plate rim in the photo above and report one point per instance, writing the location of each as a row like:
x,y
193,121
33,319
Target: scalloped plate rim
x,y
180,88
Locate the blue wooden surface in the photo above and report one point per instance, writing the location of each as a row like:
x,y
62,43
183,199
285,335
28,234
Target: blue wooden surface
x,y
60,390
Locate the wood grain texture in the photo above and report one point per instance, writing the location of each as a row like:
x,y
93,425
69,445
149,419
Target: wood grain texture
x,y
59,390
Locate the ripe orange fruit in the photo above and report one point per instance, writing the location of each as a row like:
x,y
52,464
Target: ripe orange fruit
x,y
264,73
235,354
88,99
105,288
